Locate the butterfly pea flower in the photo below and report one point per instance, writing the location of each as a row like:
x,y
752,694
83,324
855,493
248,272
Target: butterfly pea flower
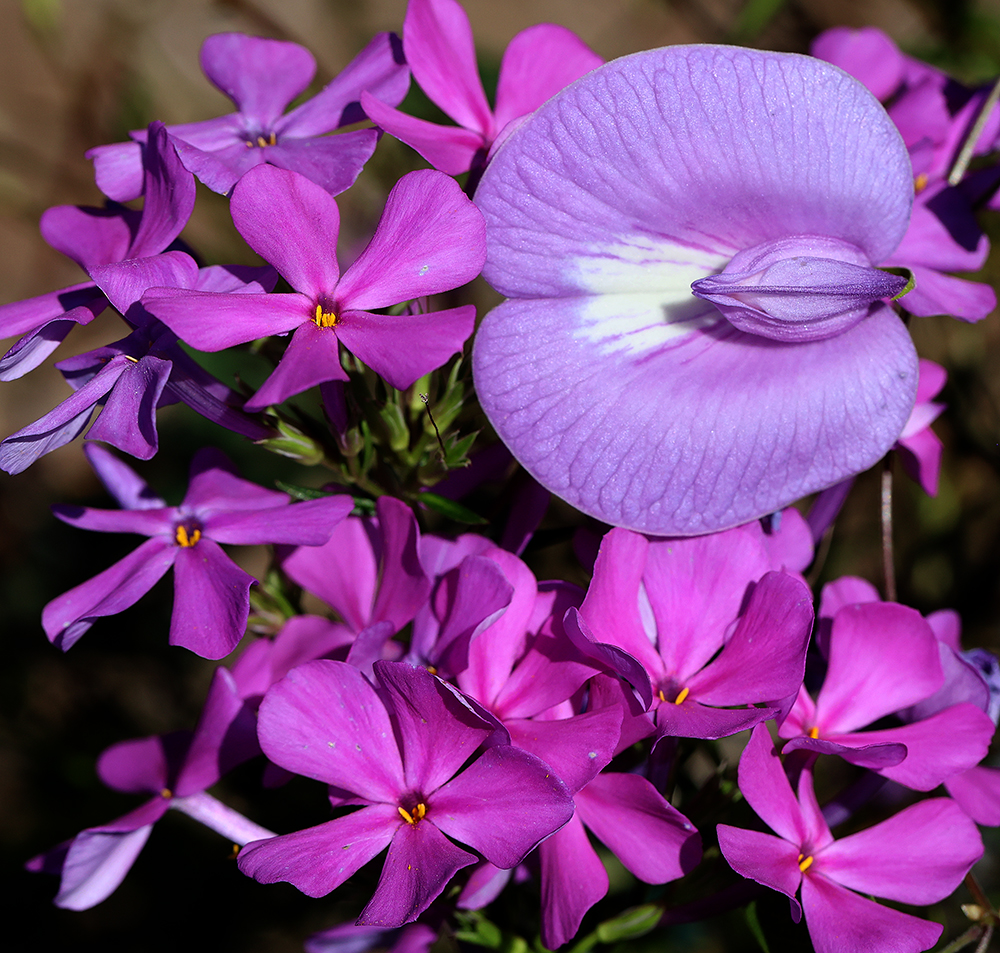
x,y
262,76
917,856
696,331
438,43
176,769
430,239
211,593
398,752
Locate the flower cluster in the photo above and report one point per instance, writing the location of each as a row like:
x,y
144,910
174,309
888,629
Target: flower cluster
x,y
709,255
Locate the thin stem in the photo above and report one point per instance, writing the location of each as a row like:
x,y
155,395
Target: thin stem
x,y
888,566
969,145
985,941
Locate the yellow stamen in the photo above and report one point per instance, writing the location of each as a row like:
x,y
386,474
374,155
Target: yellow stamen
x,y
183,539
324,319
167,793
921,183
814,732
684,692
432,669
418,812
661,696
805,862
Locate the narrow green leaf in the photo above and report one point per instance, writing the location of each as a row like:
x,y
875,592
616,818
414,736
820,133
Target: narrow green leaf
x,y
451,509
754,923
635,922
297,492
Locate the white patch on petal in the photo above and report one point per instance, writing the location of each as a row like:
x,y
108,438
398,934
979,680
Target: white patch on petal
x,y
644,264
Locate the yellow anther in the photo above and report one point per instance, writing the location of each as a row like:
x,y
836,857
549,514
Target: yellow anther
x,y
814,732
432,669
681,695
405,814
324,319
183,539
167,793
661,696
805,862
921,183
418,812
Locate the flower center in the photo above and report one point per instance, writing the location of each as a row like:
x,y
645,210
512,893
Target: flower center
x,y
814,732
678,697
414,815
325,319
805,862
261,142
187,533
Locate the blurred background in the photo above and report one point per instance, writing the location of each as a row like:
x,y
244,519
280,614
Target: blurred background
x,y
79,73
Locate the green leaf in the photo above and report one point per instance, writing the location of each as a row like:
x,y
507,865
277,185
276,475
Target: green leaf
x,y
451,509
754,923
399,434
294,444
755,15
636,922
475,928
456,450
297,492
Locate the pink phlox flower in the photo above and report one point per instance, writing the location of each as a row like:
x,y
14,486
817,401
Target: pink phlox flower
x,y
918,446
176,769
438,43
918,856
430,239
398,752
211,601
262,76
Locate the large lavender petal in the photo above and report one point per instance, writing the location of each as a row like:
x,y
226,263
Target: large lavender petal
x,y
649,836
430,239
121,481
763,783
919,855
840,921
90,236
321,858
334,162
68,616
135,766
211,600
378,69
437,733
532,804
125,282
220,169
32,349
977,792
325,721
761,857
420,863
437,40
867,54
260,75
573,880
304,247
855,749
214,487
118,170
308,523
538,63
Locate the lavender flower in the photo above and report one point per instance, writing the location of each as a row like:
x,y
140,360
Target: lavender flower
x,y
695,334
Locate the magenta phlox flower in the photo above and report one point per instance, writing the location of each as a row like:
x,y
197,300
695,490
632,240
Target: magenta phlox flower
x,y
658,252
918,856
918,446
262,76
176,769
397,752
351,938
93,238
884,657
430,239
438,43
712,628
211,602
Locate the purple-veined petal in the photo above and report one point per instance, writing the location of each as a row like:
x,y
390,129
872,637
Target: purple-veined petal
x,y
312,357
867,54
420,863
649,836
293,224
840,921
318,859
118,170
169,195
920,455
871,677
573,880
763,783
768,860
334,162
135,766
211,322
211,600
378,69
765,658
576,748
214,487
944,294
430,239
437,40
451,149
691,719
68,616
919,855
325,721
502,805
977,792
32,349
437,734
260,75
220,169
538,63
125,282
145,522
874,754
21,317
90,236
308,523
129,489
